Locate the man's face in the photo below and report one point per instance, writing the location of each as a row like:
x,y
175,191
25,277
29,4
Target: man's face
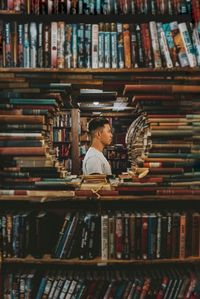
x,y
105,135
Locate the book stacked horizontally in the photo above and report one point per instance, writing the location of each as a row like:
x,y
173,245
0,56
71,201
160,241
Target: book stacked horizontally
x,y
163,140
28,163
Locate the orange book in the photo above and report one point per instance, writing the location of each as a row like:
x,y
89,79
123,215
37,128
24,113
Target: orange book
x,y
39,119
182,236
127,46
24,151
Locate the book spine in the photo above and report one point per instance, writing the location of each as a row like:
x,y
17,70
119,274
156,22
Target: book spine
x,y
74,46
64,289
88,44
126,237
20,46
151,237
68,49
60,43
127,46
104,237
107,46
146,41
26,47
8,45
114,45
120,45
134,47
40,45
187,44
54,46
195,234
47,46
80,43
144,236
101,49
1,44
182,236
14,43
49,7
139,46
155,44
111,235
170,43
33,45
182,56
95,33
118,236
158,236
163,46
196,42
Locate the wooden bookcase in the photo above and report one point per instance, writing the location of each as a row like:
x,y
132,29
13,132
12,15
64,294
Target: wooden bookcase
x,y
32,80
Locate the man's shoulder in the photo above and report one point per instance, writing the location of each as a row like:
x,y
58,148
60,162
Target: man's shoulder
x,y
92,153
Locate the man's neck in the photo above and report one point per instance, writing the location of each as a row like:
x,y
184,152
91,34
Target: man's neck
x,y
97,145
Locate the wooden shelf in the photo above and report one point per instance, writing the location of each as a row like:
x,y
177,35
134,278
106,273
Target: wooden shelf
x,y
47,260
185,70
119,198
93,19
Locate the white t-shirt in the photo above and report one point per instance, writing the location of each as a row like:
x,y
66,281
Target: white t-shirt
x,y
95,162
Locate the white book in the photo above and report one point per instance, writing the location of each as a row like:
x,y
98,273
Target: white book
x,y
50,6
187,44
104,237
26,47
95,34
61,42
155,44
54,49
196,42
64,289
71,289
33,45
163,46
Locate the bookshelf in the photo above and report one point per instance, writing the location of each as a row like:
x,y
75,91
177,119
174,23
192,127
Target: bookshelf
x,y
62,138
57,202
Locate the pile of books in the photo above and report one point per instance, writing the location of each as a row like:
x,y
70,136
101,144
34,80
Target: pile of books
x,y
28,162
163,140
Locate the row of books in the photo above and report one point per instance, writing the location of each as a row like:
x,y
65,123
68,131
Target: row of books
x,y
117,235
149,235
61,135
104,45
75,284
164,139
63,119
99,7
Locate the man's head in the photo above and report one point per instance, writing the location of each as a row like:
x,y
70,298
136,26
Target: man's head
x,y
100,130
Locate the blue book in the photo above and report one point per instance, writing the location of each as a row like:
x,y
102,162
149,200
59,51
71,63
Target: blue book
x,y
41,288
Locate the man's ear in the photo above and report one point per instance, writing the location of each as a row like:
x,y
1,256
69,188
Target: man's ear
x,y
98,133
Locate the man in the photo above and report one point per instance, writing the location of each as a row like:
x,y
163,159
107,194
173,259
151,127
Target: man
x,y
101,136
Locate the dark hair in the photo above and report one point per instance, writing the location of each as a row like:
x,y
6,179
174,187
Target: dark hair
x,y
96,123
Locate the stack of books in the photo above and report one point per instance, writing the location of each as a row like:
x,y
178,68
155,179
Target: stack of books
x,y
163,140
28,162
